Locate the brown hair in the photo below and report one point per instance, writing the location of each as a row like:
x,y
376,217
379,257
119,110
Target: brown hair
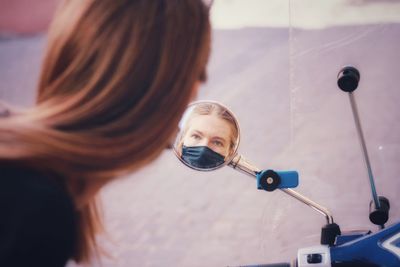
x,y
211,108
116,77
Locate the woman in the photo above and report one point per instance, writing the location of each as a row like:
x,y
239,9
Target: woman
x,y
116,78
209,136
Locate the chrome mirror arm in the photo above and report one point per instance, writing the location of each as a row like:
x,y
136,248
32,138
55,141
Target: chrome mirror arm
x,y
321,209
241,164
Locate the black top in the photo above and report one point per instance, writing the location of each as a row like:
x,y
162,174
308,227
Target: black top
x,y
37,220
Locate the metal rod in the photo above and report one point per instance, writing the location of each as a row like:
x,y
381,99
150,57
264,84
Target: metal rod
x,y
310,203
241,164
364,149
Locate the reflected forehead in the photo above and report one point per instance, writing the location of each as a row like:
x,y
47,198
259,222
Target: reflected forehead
x,y
210,125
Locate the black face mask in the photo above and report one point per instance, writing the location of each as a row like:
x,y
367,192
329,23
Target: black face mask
x,y
201,157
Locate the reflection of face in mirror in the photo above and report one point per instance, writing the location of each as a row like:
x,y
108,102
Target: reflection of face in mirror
x,y
209,136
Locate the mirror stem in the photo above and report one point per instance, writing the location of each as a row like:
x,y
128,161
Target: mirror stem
x,y
241,164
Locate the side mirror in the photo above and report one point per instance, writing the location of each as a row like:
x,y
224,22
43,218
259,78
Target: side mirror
x,y
208,139
208,136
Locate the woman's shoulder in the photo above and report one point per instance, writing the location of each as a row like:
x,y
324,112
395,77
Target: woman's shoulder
x,y
27,190
38,218
23,182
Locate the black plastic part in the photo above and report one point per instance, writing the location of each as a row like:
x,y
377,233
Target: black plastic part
x,y
329,233
270,180
379,216
348,79
314,258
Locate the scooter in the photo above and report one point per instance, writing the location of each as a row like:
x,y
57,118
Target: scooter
x,y
210,147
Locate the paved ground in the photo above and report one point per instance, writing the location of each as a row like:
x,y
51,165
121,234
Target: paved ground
x,y
281,84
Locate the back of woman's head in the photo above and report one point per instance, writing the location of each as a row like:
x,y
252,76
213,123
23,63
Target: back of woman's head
x,y
116,77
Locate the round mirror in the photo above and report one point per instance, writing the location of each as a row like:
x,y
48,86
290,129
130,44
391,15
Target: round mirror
x,y
208,136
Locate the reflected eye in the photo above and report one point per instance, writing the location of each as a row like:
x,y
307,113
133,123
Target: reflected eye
x,y
196,136
218,143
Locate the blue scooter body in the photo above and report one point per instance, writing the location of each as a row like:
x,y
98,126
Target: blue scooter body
x,y
378,249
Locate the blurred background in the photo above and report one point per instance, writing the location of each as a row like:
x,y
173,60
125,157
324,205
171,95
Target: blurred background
x,y
275,64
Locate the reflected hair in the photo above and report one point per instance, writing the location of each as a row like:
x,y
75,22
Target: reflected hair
x,y
115,80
